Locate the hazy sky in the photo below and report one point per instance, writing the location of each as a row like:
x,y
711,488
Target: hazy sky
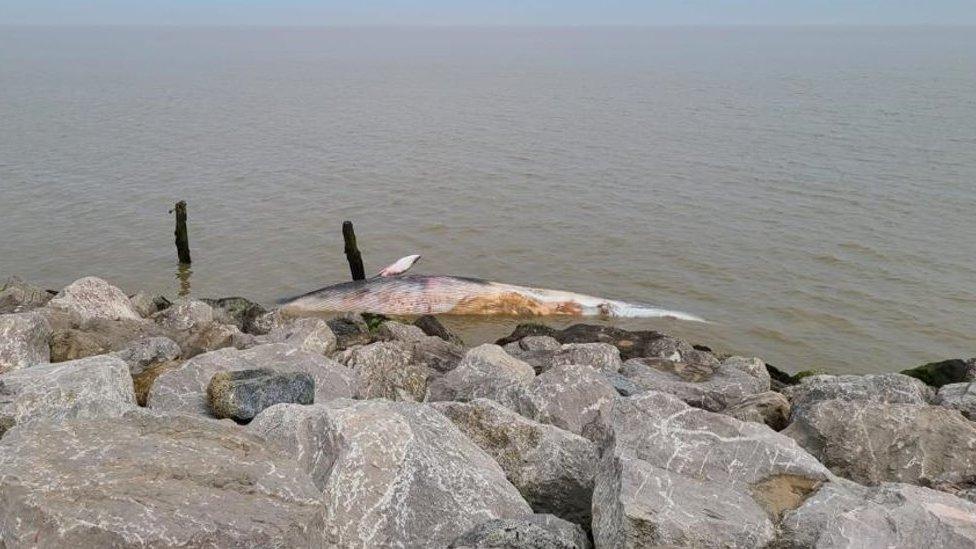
x,y
486,12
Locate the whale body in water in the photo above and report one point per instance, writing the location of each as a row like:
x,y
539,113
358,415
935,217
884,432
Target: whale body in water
x,y
392,293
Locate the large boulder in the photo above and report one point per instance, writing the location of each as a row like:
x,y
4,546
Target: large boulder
x,y
97,336
571,397
92,298
552,468
874,442
486,371
937,374
23,340
532,532
433,327
183,389
399,370
308,334
185,315
536,351
770,407
144,353
89,388
17,296
391,330
243,394
151,481
237,311
392,473
711,387
959,396
845,515
883,388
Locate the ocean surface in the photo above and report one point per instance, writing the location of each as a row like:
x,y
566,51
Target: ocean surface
x,y
811,191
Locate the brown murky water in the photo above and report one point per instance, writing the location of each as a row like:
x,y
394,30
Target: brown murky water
x,y
810,191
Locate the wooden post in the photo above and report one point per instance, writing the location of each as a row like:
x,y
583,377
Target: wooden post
x,y
182,239
353,256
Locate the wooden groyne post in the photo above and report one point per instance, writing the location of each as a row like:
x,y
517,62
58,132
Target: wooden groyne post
x,y
353,256
182,238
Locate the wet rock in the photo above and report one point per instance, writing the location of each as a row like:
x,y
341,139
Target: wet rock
x,y
183,389
391,330
526,330
308,334
389,369
395,473
142,354
873,442
185,315
89,388
937,374
236,311
959,396
92,298
151,481
243,394
552,468
485,371
884,388
771,408
23,340
711,387
571,397
350,331
531,532
780,379
843,515
17,296
433,327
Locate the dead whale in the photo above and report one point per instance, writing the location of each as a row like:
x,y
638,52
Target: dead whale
x,y
392,293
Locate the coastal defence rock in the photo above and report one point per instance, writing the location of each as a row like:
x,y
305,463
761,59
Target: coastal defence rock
x,y
552,468
676,475
183,389
844,515
770,407
92,298
88,388
391,330
392,473
882,388
308,334
433,327
959,396
571,397
236,311
144,353
23,340
486,371
185,315
874,442
937,374
151,481
711,387
17,296
400,370
243,394
538,531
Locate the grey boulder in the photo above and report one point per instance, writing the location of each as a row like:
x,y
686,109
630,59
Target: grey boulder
x,y
552,468
433,327
571,397
486,371
959,396
532,532
23,340
144,353
151,481
883,388
88,388
398,370
236,311
711,387
770,407
243,394
183,389
17,296
92,298
308,334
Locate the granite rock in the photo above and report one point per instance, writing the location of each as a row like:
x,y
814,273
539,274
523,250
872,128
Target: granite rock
x,y
92,298
485,371
711,387
17,296
144,353
571,397
883,388
236,311
23,340
243,394
959,396
539,531
308,334
770,407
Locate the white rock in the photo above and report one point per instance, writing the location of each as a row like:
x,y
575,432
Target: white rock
x,y
93,298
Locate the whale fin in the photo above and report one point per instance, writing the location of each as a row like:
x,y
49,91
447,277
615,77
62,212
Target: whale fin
x,y
399,267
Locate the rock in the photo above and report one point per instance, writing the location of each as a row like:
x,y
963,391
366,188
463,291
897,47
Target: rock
x,y
99,336
308,334
485,371
147,304
676,475
771,408
395,473
959,396
211,337
388,369
623,385
243,394
937,374
350,331
236,311
71,344
390,330
571,397
531,532
151,481
537,343
183,389
843,515
602,357
142,354
17,296
780,379
92,298
711,387
433,327
874,442
536,351
89,388
552,468
526,330
185,315
885,388
23,340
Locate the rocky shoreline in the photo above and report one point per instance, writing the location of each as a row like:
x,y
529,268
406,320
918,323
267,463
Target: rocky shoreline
x,y
136,421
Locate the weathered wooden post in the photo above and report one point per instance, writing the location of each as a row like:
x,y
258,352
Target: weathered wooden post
x,y
182,239
353,256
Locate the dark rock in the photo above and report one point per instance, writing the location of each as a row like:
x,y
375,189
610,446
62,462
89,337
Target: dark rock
x,y
631,344
623,385
350,331
526,330
937,374
243,394
238,311
779,376
433,327
531,532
